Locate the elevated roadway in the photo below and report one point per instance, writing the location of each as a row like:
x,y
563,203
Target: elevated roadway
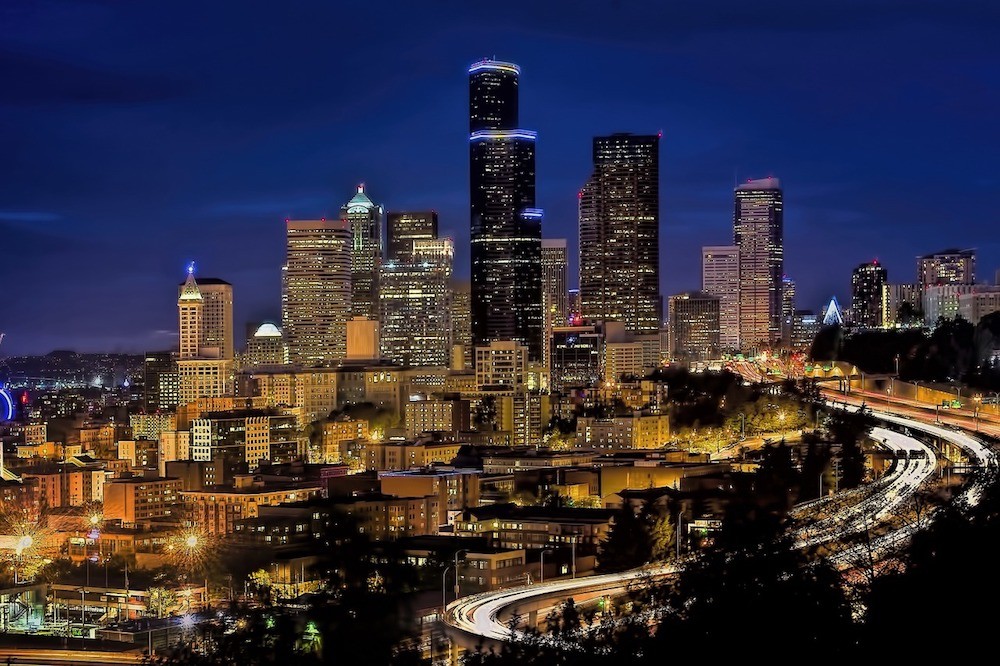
x,y
485,619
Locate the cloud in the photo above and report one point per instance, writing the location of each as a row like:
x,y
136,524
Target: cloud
x,y
28,216
31,79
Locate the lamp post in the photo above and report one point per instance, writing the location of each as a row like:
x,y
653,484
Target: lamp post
x,y
541,568
457,553
444,589
573,546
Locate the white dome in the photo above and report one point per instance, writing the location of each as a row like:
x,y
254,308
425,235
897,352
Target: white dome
x,y
267,330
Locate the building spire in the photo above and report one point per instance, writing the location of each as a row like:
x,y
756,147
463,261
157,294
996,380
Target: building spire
x,y
190,291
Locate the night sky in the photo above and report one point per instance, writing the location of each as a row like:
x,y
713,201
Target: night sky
x,y
139,135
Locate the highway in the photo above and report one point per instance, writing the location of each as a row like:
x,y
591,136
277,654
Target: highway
x,y
50,657
484,618
915,463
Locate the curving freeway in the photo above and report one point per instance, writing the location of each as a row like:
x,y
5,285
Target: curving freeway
x,y
485,619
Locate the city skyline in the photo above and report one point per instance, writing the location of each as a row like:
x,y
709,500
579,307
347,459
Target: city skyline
x,y
112,140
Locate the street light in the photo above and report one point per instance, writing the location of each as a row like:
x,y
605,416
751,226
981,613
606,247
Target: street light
x,y
444,590
23,544
457,553
541,568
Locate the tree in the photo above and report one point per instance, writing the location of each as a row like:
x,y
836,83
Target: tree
x,y
849,428
627,544
485,415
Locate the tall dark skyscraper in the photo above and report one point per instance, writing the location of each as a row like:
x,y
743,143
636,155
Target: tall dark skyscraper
x,y
867,287
758,230
620,234
506,230
405,227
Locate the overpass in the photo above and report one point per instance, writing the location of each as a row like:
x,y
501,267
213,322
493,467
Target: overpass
x,y
486,619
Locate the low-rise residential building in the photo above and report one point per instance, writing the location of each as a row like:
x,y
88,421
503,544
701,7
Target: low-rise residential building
x,y
217,508
139,498
533,527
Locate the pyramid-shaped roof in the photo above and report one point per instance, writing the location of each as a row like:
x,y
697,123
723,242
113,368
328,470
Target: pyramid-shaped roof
x,y
360,201
190,291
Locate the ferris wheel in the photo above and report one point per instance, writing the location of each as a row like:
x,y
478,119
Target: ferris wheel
x,y
6,399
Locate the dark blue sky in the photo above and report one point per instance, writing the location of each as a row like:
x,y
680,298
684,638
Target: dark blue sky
x,y
137,136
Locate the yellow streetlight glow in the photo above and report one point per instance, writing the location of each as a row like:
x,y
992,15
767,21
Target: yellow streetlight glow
x,y
24,543
95,519
191,541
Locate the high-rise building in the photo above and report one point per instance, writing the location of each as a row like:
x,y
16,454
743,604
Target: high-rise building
x,y
416,305
619,233
502,364
205,308
205,327
867,287
402,228
759,234
461,319
720,276
554,292
365,220
506,234
576,357
787,308
805,326
946,267
694,326
902,305
161,383
942,301
316,302
575,306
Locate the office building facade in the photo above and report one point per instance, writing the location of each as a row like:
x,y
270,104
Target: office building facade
x,y
619,213
720,276
402,228
505,229
316,302
694,327
758,232
554,289
416,305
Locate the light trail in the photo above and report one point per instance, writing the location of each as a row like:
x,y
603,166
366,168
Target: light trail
x,y
484,618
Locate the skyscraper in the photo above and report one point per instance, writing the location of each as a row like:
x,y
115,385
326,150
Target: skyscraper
x,y
205,308
402,228
461,320
694,327
554,293
759,234
867,288
416,305
946,267
619,233
317,297
506,234
720,276
365,220
787,309
205,327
